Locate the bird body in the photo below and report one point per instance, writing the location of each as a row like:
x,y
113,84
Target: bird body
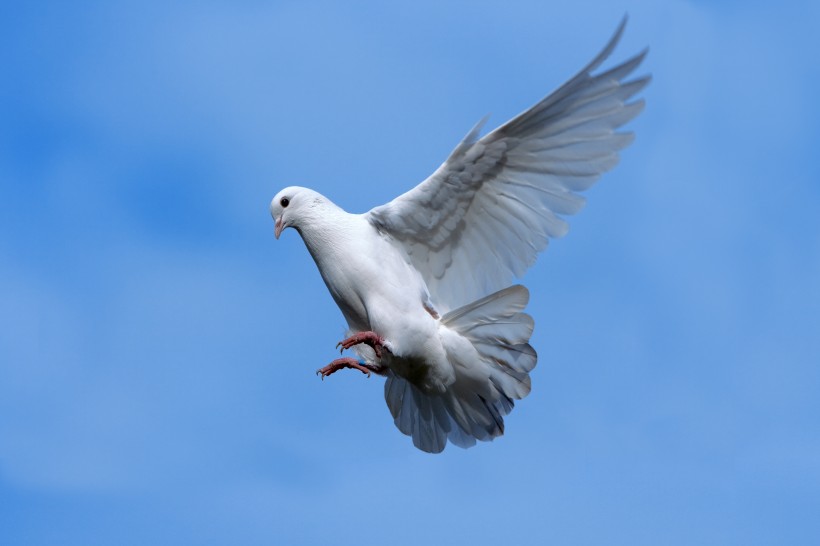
x,y
385,295
425,281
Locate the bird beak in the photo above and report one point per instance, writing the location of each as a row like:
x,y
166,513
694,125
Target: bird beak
x,y
277,230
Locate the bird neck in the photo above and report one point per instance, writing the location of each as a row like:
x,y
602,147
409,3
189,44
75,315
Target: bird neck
x,y
326,231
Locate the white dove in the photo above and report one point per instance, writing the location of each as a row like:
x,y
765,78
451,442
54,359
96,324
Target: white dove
x,y
424,281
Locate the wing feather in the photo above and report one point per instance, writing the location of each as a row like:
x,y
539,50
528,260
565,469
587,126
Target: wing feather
x,y
481,219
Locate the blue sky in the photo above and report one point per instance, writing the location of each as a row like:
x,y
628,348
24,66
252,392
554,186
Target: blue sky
x,y
158,346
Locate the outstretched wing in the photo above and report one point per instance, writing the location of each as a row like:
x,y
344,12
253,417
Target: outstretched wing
x,y
483,216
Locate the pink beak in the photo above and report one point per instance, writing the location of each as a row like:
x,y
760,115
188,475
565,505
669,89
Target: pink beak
x,y
277,230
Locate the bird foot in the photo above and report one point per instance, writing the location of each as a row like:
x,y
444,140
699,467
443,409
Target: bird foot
x,y
368,338
341,363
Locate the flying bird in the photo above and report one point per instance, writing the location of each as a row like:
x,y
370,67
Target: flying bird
x,y
425,281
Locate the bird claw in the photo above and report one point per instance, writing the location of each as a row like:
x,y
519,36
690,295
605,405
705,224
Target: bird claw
x,y
368,338
341,363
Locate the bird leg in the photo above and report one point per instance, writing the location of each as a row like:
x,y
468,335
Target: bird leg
x,y
341,363
368,338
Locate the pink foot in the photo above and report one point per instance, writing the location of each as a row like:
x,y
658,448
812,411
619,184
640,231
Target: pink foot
x,y
341,363
369,338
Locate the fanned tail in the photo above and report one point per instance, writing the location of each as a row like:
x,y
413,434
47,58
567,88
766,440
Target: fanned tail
x,y
492,370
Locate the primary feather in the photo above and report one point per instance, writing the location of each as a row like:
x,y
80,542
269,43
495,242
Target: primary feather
x,y
430,272
480,220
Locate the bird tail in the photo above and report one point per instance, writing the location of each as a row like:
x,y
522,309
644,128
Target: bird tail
x,y
487,378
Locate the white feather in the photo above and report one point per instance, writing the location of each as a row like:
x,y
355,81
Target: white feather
x,y
430,272
502,194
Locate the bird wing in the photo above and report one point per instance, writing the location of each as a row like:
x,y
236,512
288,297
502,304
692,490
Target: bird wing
x,y
482,217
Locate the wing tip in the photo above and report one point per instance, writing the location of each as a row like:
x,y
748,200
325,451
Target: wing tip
x,y
610,46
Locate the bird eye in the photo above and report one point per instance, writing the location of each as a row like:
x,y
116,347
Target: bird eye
x,y
284,202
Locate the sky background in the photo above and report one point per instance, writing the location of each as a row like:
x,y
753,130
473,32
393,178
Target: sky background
x,y
158,346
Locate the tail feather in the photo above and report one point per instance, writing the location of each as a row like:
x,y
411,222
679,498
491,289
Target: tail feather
x,y
424,418
487,381
488,309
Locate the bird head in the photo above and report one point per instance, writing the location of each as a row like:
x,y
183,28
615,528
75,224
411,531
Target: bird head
x,y
290,206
